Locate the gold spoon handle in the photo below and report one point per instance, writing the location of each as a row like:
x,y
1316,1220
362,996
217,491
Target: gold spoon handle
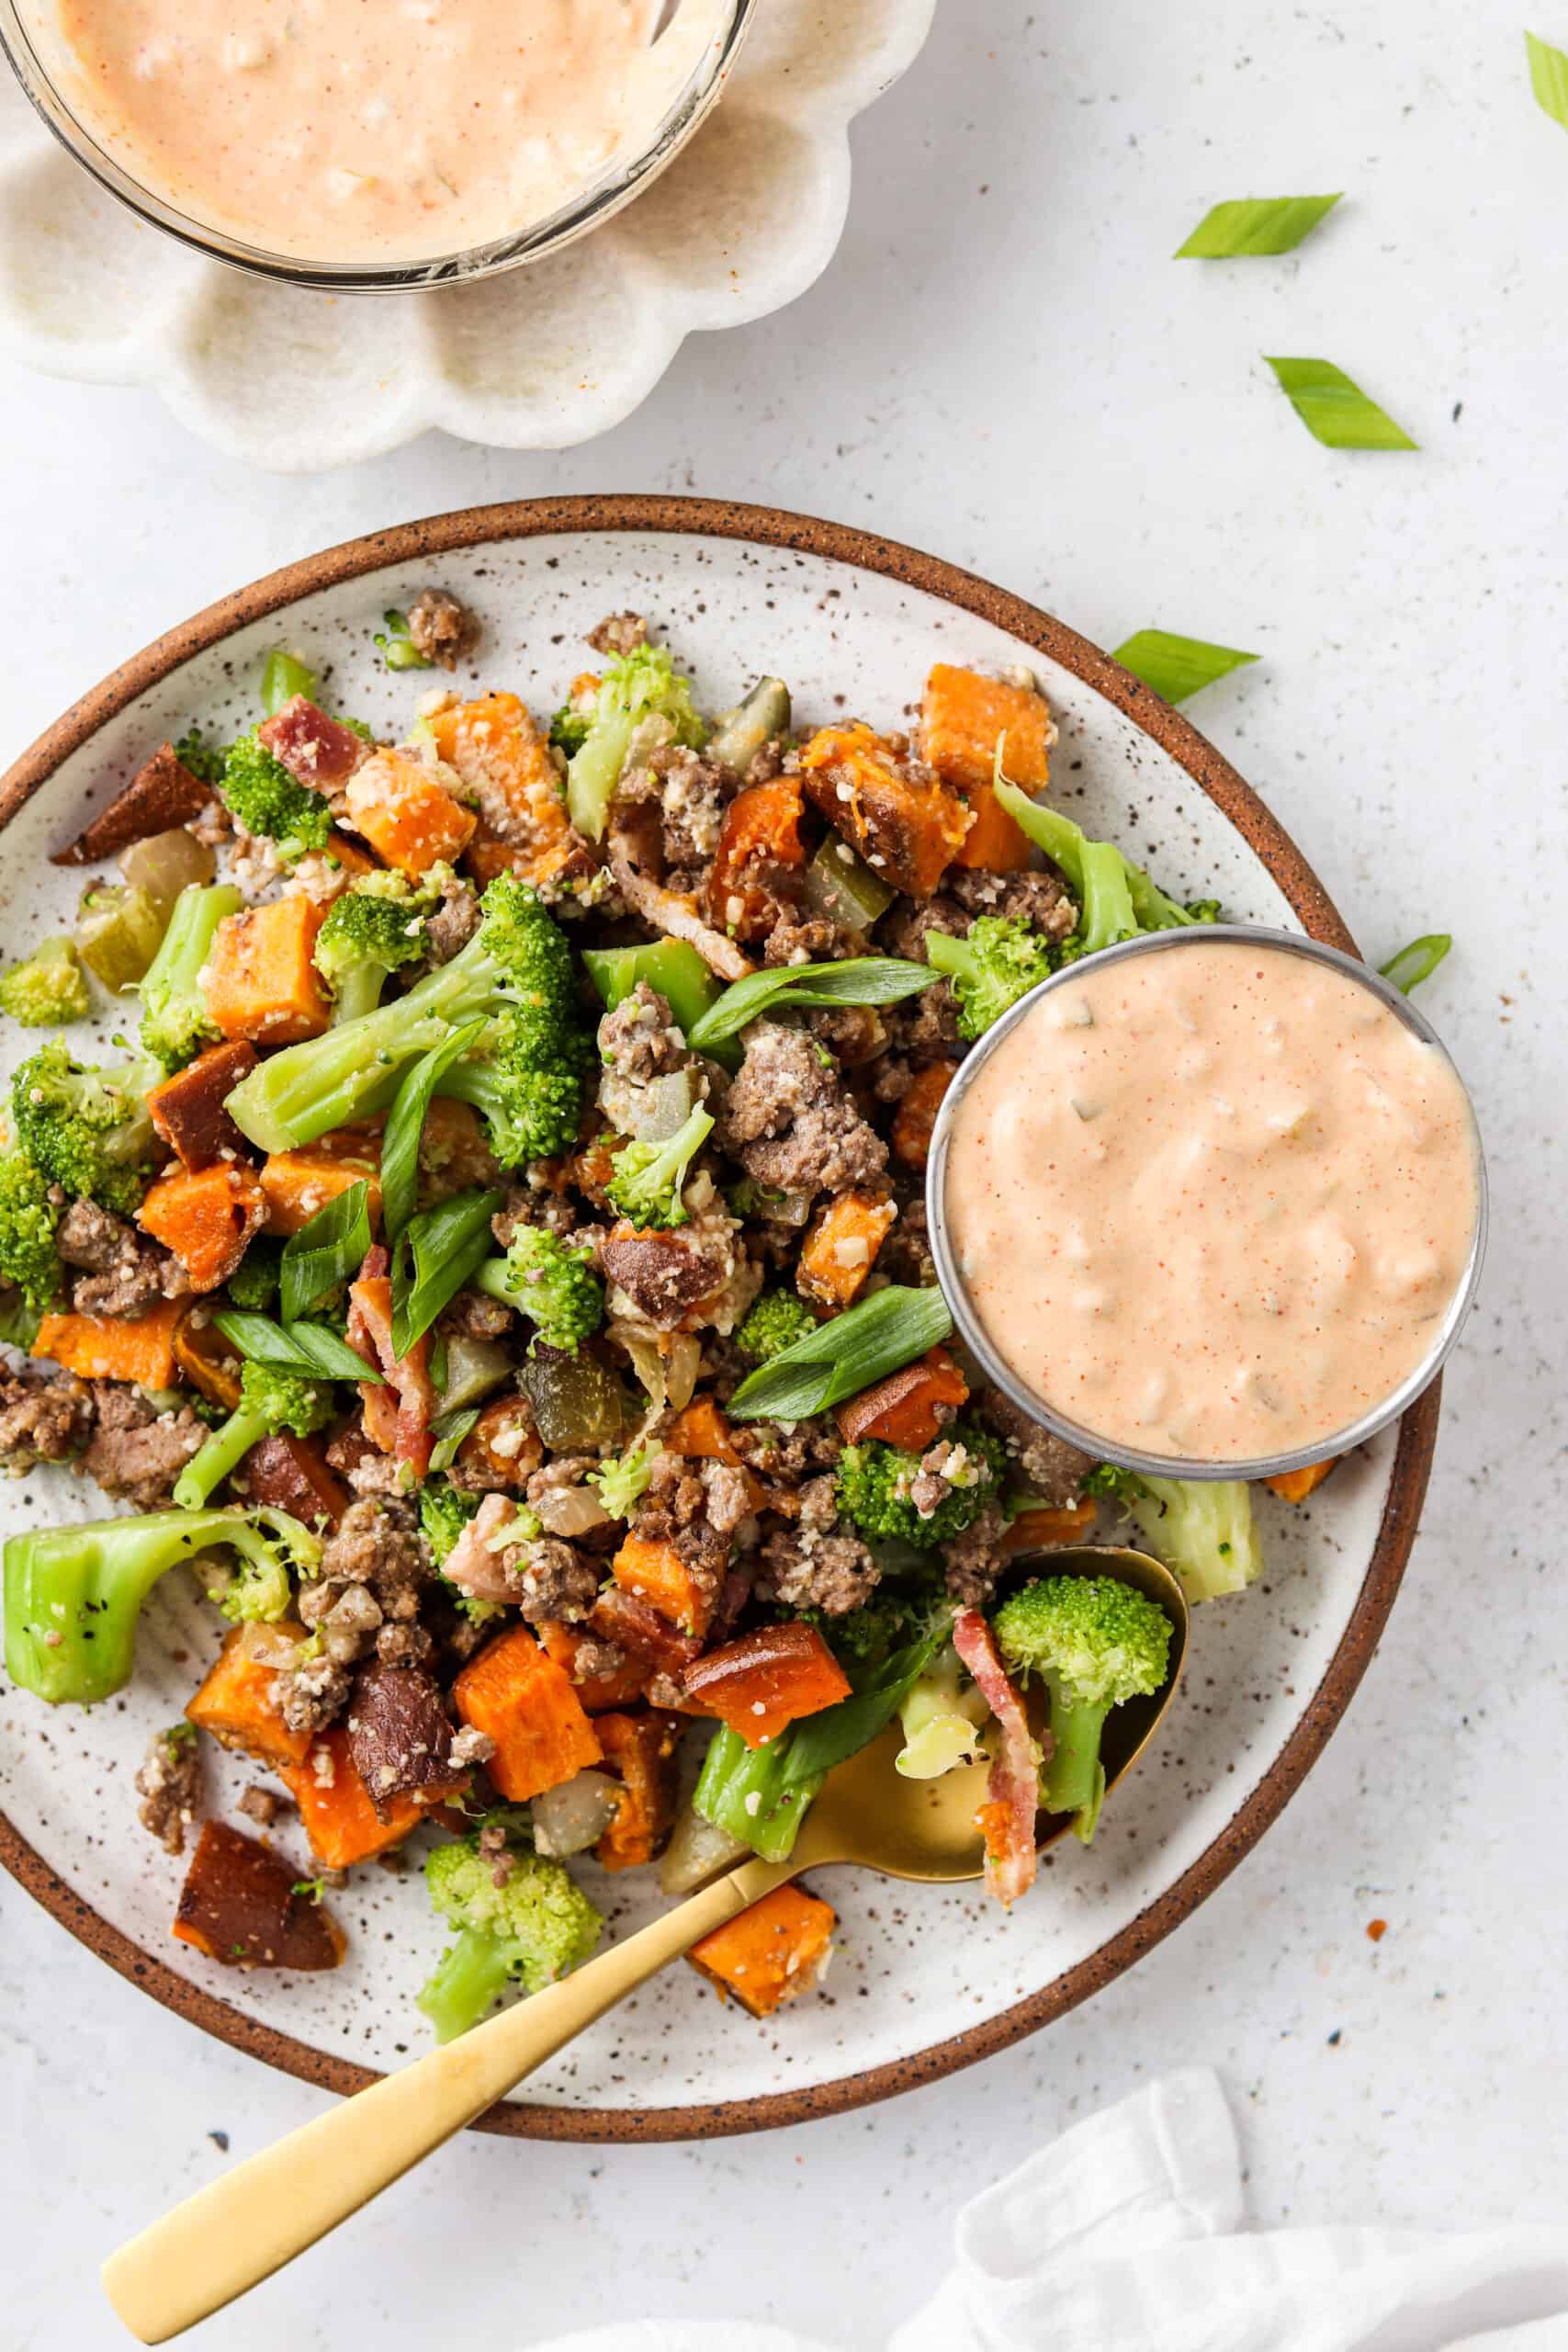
x,y
241,2229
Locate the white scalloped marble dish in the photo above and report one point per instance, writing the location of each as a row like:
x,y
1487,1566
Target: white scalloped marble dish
x,y
925,1978
543,356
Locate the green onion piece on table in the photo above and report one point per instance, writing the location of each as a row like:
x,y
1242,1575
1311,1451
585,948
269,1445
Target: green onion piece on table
x,y
1549,78
1178,666
1255,224
1334,409
1419,961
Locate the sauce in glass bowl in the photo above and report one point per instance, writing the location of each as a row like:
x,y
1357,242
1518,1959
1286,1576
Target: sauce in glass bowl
x,y
1213,1199
377,131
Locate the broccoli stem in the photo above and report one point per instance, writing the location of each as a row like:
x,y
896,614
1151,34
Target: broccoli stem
x,y
468,1978
733,1773
175,1022
227,1446
1071,1781
358,992
353,1069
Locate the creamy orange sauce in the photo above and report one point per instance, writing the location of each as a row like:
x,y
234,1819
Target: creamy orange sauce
x,y
1214,1202
372,129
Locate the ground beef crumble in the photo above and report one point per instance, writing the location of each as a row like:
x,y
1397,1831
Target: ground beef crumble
x,y
41,1420
442,629
788,1120
168,1781
136,1452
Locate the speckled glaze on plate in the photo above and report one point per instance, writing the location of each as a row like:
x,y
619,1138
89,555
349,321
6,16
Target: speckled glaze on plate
x,y
924,1980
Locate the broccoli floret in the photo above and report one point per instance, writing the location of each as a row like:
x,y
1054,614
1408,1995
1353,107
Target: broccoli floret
x,y
776,1321
1201,1527
49,989
517,973
568,728
623,1480
526,1081
444,1511
74,1594
1095,1643
872,1484
642,684
395,645
550,1281
204,760
648,1179
370,932
28,1222
532,1928
265,798
257,1591
269,1401
1000,960
256,1280
86,1127
175,1021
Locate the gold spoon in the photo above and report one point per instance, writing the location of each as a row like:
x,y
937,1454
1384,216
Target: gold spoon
x,y
238,2231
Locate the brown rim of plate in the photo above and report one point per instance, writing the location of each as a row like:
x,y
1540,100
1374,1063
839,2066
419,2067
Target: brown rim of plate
x,y
839,543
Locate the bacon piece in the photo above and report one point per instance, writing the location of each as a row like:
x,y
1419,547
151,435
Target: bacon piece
x,y
397,1416
316,750
1007,1818
473,1564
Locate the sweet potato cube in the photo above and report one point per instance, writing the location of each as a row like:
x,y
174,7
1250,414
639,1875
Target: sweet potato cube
x,y
159,797
643,1632
772,1953
526,1702
656,1573
136,1348
187,1109
701,1430
406,813
963,715
759,840
906,827
237,1703
335,1809
766,1679
1295,1485
1031,1531
293,1474
499,753
915,1121
907,1408
238,1904
295,1184
597,1693
841,1247
640,1750
208,1361
261,983
207,1217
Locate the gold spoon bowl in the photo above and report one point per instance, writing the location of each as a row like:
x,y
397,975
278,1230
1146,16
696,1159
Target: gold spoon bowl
x,y
241,2228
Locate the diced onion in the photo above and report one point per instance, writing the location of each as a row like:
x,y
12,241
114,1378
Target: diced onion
x,y
570,1818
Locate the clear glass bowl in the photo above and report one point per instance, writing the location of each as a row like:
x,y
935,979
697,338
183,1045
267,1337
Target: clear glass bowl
x,y
1160,1465
26,44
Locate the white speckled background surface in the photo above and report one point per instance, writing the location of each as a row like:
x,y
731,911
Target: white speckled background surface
x,y
1002,364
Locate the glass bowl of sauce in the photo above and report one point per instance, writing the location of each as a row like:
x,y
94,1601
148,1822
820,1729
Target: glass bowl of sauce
x,y
1210,1203
373,145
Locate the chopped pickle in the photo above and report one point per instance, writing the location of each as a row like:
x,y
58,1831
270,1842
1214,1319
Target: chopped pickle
x,y
576,1400
742,732
119,932
840,887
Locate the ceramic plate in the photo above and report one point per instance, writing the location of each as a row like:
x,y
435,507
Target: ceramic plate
x,y
924,1980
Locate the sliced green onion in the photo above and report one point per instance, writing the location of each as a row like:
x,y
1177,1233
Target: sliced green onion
x,y
308,1347
1549,78
1255,224
282,678
1334,409
860,979
435,1254
405,1124
329,1249
1419,961
1178,666
449,1431
842,1356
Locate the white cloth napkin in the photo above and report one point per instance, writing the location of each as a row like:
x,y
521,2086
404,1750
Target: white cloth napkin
x,y
1128,2234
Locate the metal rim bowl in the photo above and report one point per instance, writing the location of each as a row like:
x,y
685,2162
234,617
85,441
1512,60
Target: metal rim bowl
x,y
1166,1466
592,205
